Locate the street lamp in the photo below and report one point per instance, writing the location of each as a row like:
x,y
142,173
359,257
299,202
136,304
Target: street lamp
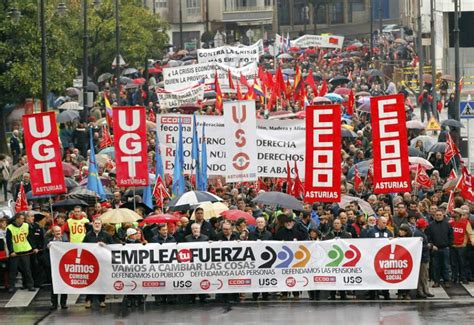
x,y
62,9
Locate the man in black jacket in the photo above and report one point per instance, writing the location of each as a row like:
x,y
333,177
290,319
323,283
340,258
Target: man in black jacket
x,y
97,235
338,232
260,232
440,235
163,236
206,227
37,242
194,237
227,234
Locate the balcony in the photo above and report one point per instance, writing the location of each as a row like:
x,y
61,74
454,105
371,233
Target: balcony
x,y
247,13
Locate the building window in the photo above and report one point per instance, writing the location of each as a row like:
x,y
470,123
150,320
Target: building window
x,y
358,5
161,4
268,3
193,7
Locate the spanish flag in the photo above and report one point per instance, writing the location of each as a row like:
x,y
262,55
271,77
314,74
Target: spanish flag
x,y
219,103
108,110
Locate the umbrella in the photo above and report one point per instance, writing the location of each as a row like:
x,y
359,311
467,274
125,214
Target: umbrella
x,y
278,199
348,133
438,147
339,80
416,125
105,76
188,58
285,56
321,100
355,53
125,80
109,151
212,210
342,91
73,92
129,71
234,215
192,199
150,126
414,152
452,123
120,216
67,116
364,205
132,206
70,183
189,108
104,180
420,161
174,63
69,169
82,193
92,87
102,159
160,218
363,167
139,81
375,73
71,105
362,93
289,72
449,186
427,140
69,203
131,86
334,97
32,197
364,104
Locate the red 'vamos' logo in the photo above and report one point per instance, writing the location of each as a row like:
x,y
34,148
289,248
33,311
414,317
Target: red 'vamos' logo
x,y
79,268
393,263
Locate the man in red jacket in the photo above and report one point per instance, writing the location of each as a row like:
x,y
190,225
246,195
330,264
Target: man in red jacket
x,y
462,234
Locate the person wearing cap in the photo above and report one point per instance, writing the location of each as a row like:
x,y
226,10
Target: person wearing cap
x,y
20,245
97,235
462,234
440,235
423,291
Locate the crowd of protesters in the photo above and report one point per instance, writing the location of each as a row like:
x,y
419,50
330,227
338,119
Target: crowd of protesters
x,y
448,239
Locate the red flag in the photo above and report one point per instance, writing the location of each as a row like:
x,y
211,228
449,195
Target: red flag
x,y
239,93
231,82
298,188
465,185
106,140
152,116
159,192
324,89
21,202
289,181
261,185
243,80
350,103
422,178
219,102
452,175
357,179
451,150
268,80
261,75
310,81
279,82
450,207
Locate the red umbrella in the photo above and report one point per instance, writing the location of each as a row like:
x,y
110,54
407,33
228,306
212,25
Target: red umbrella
x,y
234,215
155,70
69,170
310,51
160,218
352,47
342,91
189,108
293,49
139,81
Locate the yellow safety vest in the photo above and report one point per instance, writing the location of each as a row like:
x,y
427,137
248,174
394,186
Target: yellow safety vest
x,y
77,230
20,238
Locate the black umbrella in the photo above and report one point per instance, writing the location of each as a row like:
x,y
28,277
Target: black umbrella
x,y
105,76
69,203
438,147
452,123
348,133
92,87
70,183
339,80
188,58
415,152
279,199
130,205
31,197
85,195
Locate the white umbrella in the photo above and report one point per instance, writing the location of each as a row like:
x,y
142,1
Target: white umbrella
x,y
364,205
193,198
71,105
212,209
420,161
414,124
427,140
120,216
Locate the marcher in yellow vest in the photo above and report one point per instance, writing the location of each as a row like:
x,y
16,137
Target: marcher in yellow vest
x,y
19,244
76,226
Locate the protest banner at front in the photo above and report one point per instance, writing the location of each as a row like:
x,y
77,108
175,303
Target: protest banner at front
x,y
246,266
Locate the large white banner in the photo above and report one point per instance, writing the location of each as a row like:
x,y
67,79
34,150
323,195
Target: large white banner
x,y
182,77
178,98
224,267
326,41
232,55
241,139
278,141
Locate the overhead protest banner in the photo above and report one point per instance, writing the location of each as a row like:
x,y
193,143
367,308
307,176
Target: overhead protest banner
x,y
44,153
232,55
172,99
226,267
130,145
179,78
325,41
278,141
240,125
323,154
391,165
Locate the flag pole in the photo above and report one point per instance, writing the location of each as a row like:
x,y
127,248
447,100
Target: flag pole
x,y
134,201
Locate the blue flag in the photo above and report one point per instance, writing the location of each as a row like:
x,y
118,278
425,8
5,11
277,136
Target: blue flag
x,y
159,170
147,197
195,151
202,185
178,172
93,181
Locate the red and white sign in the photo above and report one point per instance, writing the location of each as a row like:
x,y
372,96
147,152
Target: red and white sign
x,y
323,153
241,141
44,154
79,268
393,263
390,149
130,145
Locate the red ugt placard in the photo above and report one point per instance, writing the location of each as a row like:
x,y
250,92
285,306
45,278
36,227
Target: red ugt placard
x,y
390,149
323,153
44,154
130,145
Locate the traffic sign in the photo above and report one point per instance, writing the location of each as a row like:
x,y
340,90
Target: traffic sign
x,y
466,109
433,125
